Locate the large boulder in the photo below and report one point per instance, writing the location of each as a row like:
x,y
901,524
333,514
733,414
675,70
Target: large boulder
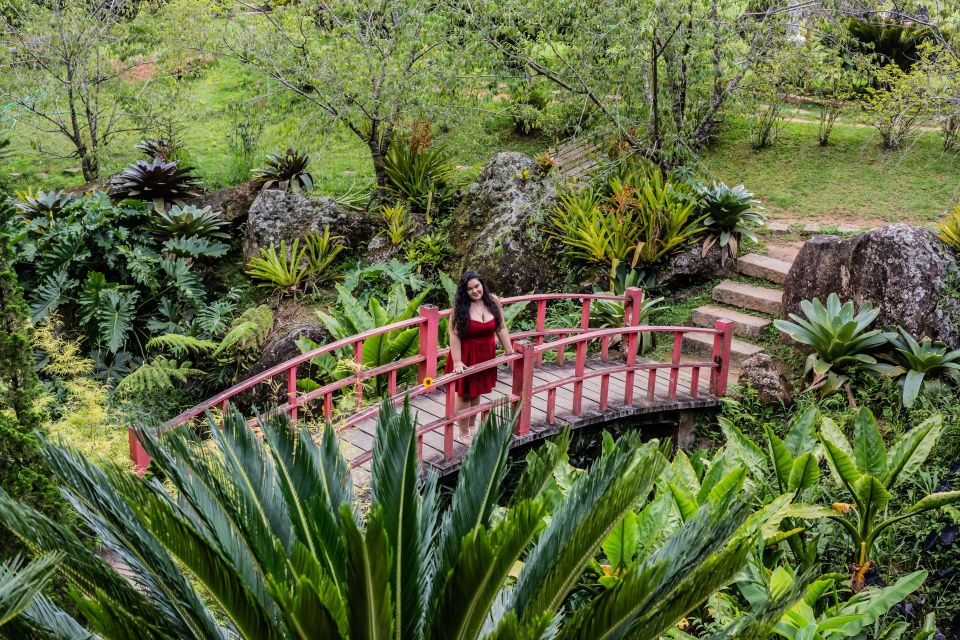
x,y
903,270
761,373
277,215
496,228
280,347
690,266
233,202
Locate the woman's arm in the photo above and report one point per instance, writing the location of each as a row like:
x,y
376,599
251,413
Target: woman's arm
x,y
503,333
455,353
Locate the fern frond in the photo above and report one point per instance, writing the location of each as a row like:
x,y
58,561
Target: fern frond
x,y
179,344
158,374
248,331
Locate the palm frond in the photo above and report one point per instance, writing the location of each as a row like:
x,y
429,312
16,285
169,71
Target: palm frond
x,y
368,576
20,583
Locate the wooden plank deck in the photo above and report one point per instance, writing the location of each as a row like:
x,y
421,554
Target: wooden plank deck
x,y
358,440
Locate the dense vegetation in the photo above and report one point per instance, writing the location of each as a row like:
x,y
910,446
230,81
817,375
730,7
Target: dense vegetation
x,y
125,299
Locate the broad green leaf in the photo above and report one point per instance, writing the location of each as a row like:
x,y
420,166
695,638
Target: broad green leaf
x,y
803,432
872,494
686,473
804,473
871,456
934,501
839,454
620,546
744,449
809,511
780,455
912,449
912,382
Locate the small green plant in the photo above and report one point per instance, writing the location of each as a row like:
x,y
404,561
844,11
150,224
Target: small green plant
x,y
286,171
839,338
188,221
424,178
949,229
167,149
44,203
429,251
868,472
322,250
729,213
397,220
546,161
920,361
527,108
280,269
157,181
610,313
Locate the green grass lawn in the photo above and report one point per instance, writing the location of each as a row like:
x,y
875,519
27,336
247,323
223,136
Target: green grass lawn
x,y
851,181
340,159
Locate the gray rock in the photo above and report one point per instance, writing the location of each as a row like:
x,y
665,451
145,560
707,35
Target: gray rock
x,y
761,373
905,271
690,267
495,228
279,349
233,202
277,215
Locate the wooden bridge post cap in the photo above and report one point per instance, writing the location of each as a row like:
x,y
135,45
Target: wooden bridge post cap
x,y
427,307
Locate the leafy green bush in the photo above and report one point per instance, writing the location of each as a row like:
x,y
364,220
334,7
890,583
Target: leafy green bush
x,y
188,221
429,251
322,250
286,171
920,361
280,269
949,229
729,214
527,108
422,177
610,313
102,269
156,181
45,203
397,221
839,338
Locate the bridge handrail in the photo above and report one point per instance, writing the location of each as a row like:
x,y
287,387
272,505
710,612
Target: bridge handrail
x,y
417,321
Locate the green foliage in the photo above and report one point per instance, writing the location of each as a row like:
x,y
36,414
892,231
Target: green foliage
x,y
527,108
397,220
429,251
638,216
839,338
920,361
158,374
423,177
729,214
949,229
44,203
322,250
610,313
286,171
167,149
188,221
380,278
280,269
868,472
157,181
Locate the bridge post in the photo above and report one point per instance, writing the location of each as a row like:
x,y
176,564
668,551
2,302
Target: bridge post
x,y
720,373
429,339
631,318
139,456
523,385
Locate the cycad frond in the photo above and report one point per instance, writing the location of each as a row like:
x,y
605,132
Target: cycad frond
x,y
19,584
541,463
368,576
594,505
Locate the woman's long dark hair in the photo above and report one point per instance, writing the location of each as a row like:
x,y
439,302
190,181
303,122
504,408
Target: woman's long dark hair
x,y
461,304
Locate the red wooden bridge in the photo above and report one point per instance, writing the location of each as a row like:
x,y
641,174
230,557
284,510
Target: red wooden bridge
x,y
555,377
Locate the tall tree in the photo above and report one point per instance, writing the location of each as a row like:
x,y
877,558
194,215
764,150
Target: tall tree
x,y
366,64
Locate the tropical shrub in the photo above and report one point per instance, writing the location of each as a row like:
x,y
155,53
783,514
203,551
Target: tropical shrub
x,y
610,313
156,181
44,203
949,229
868,472
279,268
286,171
898,104
188,221
429,251
729,213
920,361
397,221
99,266
322,250
422,177
527,108
366,280
839,338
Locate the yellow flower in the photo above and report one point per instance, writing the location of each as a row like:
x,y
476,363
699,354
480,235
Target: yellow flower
x,y
427,383
843,507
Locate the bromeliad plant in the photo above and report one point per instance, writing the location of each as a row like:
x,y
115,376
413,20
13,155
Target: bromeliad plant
x,y
610,313
286,171
44,203
213,555
920,361
188,221
949,229
839,338
422,177
279,268
397,221
157,181
869,472
730,214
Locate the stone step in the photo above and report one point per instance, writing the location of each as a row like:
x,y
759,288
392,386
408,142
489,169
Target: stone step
x,y
743,323
748,296
765,267
702,344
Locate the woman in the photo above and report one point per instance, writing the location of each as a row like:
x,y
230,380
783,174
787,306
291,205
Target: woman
x,y
477,317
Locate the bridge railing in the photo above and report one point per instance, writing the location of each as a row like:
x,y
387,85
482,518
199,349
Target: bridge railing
x,y
528,357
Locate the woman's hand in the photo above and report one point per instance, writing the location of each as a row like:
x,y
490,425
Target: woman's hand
x,y
459,367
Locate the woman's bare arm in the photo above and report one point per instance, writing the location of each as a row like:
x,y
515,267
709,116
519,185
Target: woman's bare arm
x,y
455,351
503,333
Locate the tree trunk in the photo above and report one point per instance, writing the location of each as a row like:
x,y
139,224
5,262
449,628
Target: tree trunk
x,y
90,164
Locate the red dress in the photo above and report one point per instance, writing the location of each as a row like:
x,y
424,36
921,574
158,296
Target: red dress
x,y
479,345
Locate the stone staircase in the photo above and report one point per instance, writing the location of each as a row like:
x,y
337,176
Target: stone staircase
x,y
750,307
